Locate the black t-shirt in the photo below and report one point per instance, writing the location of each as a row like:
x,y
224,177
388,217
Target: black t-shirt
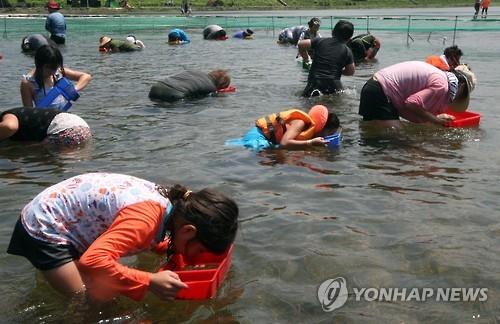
x,y
329,58
33,122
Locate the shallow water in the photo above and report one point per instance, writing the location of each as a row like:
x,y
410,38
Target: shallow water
x,y
412,208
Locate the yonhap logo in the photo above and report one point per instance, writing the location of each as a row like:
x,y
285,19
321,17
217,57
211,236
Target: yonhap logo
x,y
332,294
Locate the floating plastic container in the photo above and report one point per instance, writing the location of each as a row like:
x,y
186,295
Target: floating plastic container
x,y
333,141
464,119
228,89
203,275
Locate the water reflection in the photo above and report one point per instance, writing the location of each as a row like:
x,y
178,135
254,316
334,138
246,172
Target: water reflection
x,y
416,207
25,161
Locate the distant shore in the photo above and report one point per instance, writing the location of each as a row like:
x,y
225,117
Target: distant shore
x,y
146,7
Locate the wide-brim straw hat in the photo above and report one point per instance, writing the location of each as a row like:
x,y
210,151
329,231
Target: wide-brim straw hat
x,y
104,40
470,80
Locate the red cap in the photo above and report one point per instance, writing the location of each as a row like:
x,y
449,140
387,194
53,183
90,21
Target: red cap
x,y
53,5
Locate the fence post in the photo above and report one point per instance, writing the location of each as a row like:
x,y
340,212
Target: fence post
x,y
331,22
455,30
4,27
273,25
368,24
408,32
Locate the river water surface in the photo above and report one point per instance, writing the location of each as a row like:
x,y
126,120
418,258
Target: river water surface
x,y
411,209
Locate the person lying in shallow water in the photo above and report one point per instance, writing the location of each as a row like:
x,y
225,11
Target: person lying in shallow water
x,y
291,128
49,126
189,84
109,45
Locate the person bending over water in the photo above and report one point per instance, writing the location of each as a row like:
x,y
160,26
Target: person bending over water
x,y
49,125
291,35
31,43
48,70
189,84
178,36
416,91
214,32
448,61
244,34
76,231
331,59
109,45
290,129
132,39
312,31
364,47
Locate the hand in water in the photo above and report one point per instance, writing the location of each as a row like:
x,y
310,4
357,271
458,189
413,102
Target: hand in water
x,y
318,141
446,117
166,284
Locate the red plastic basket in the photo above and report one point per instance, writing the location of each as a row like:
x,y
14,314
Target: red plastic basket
x,y
203,284
228,89
464,119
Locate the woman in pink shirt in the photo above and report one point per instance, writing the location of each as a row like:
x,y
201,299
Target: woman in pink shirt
x,y
417,92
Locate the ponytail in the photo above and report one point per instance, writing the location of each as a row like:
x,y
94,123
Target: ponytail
x,y
47,55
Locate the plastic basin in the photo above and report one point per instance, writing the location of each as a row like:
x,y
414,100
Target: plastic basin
x,y
203,283
228,89
333,141
464,119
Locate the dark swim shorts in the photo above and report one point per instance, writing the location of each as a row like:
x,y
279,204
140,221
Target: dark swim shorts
x,y
374,105
43,255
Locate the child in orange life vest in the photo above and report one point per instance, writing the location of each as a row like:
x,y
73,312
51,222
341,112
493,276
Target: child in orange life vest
x,y
448,61
290,128
76,231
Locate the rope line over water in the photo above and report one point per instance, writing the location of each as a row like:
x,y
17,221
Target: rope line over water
x,y
25,24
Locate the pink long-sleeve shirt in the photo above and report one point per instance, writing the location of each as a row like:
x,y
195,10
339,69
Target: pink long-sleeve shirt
x,y
415,82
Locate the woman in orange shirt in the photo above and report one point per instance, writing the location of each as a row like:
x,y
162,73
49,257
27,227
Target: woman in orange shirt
x,y
76,231
485,5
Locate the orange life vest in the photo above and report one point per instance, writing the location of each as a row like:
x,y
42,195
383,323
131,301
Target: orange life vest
x,y
274,125
437,62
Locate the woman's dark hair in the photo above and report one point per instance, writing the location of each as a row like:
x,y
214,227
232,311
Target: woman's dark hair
x,y
173,37
47,55
332,122
343,30
214,215
314,21
453,51
221,78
